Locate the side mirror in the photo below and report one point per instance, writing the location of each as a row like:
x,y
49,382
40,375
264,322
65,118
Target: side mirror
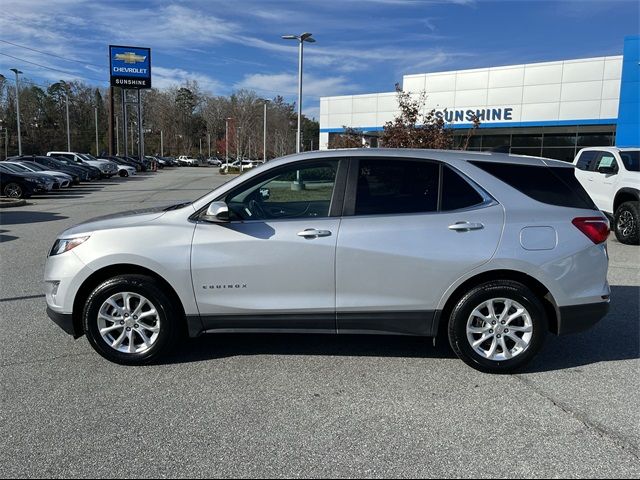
x,y
607,170
218,212
265,193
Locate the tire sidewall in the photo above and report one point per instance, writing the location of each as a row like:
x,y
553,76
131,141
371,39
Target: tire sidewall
x,y
499,289
146,287
634,208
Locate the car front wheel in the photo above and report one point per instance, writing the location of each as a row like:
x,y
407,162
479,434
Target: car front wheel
x,y
626,223
498,327
13,190
129,319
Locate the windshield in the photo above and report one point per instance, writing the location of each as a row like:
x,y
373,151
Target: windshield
x,y
34,167
18,167
631,160
7,167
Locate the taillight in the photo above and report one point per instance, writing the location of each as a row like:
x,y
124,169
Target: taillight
x,y
596,228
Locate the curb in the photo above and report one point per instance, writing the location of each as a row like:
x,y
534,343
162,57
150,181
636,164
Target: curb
x,y
9,202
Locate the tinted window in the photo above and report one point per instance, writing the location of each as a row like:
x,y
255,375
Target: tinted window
x,y
552,185
586,159
457,193
396,186
631,160
292,192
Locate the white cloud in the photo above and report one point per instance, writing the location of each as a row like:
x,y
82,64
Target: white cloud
x,y
168,77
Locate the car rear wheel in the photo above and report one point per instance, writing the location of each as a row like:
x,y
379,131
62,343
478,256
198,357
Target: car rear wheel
x,y
627,223
498,327
129,319
13,190
124,173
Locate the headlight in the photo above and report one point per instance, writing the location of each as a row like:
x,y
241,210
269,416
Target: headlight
x,y
65,244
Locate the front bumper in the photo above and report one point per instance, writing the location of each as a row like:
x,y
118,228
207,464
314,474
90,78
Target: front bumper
x,y
578,318
64,321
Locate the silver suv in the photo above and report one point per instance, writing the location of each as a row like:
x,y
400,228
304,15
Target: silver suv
x,y
493,250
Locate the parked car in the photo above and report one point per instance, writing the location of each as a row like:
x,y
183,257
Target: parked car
x,y
93,173
62,180
52,163
216,162
13,185
495,250
156,163
137,162
105,168
187,161
38,183
611,176
73,178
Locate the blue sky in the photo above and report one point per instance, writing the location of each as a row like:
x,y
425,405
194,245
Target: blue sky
x,y
362,46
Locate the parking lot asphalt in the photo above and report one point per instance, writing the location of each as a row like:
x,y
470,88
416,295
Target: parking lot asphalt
x,y
292,405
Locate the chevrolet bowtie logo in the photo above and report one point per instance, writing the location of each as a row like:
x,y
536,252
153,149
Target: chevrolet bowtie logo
x,y
130,57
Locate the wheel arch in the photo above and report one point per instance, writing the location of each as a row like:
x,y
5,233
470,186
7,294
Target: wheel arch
x,y
543,293
111,271
623,195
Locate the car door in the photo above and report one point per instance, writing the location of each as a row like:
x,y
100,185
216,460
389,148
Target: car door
x,y
411,229
603,186
273,265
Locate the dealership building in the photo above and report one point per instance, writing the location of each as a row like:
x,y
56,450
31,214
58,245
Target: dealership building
x,y
549,109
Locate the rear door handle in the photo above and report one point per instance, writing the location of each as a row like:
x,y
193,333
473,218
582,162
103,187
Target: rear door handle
x,y
465,226
313,233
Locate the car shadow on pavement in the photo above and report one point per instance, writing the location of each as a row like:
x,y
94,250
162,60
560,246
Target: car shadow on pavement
x,y
224,345
603,343
6,238
616,337
19,217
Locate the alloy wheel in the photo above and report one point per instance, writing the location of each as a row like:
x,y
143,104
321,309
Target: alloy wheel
x,y
500,329
128,322
626,223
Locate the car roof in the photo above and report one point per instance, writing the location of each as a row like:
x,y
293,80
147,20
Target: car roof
x,y
428,154
611,149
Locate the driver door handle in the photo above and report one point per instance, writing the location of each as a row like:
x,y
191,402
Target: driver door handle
x,y
465,226
313,233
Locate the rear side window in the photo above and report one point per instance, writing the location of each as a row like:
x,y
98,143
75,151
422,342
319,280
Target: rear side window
x,y
456,192
586,160
397,186
551,185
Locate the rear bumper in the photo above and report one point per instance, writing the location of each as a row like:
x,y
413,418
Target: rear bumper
x,y
578,318
64,321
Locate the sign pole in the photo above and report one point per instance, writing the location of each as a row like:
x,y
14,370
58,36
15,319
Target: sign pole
x,y
140,129
125,121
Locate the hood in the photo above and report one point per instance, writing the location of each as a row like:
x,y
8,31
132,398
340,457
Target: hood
x,y
116,220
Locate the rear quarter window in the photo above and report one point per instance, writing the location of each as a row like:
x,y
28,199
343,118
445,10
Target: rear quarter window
x,y
551,185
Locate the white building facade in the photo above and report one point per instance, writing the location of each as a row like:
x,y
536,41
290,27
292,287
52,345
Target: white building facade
x,y
547,109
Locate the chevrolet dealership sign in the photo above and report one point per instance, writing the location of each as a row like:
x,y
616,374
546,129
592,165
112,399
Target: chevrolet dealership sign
x,y
130,67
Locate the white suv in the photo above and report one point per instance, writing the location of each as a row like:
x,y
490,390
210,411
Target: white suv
x,y
611,176
494,250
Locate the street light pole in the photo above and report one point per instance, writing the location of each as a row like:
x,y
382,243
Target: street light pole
x,y
66,96
18,72
161,144
97,144
226,140
264,134
305,37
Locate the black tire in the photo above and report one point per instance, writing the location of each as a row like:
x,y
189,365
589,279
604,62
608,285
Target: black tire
x,y
506,289
13,190
152,290
626,223
123,173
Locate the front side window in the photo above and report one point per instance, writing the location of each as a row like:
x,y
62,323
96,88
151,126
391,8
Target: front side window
x,y
297,191
586,159
391,186
607,160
